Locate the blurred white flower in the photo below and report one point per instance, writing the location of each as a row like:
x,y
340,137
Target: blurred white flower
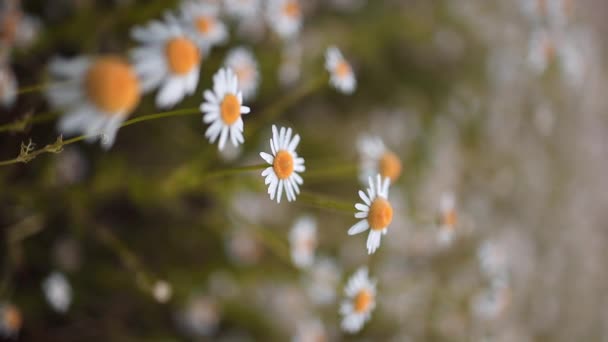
x,y
11,320
243,64
162,291
376,158
58,292
322,281
97,93
360,301
204,24
285,17
242,9
243,248
8,86
223,109
200,317
341,73
169,58
447,218
291,62
541,51
303,241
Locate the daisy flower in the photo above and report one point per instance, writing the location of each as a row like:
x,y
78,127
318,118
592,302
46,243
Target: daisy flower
x,y
223,108
285,17
162,291
341,73
360,301
303,241
376,213
203,20
244,65
447,217
376,158
542,51
11,320
286,165
97,93
169,59
8,86
58,292
242,9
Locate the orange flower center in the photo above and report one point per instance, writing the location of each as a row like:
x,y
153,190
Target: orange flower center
x,y
12,318
380,214
182,55
204,24
292,9
10,25
230,109
363,300
283,164
112,86
243,73
390,166
343,69
449,219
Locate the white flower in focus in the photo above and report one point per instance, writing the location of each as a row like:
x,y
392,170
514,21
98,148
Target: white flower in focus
x,y
242,9
286,165
97,93
168,58
376,158
360,301
243,64
223,108
8,86
341,73
376,212
285,17
303,241
447,218
58,292
11,320
310,330
204,23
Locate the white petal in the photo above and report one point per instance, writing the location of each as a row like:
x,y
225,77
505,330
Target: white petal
x,y
358,227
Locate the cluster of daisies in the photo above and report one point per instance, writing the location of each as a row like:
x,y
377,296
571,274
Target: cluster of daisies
x,y
17,31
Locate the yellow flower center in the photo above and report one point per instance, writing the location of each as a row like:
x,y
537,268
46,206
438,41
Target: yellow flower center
x,y
283,164
363,300
449,219
112,86
291,9
12,318
204,24
343,69
390,166
230,109
182,55
380,214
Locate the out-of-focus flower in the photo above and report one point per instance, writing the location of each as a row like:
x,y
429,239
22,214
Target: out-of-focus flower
x,y
204,23
341,73
162,291
8,86
291,62
58,292
71,166
535,10
376,212
560,11
322,281
491,303
493,262
97,93
286,165
303,240
360,301
310,330
242,9
200,317
223,108
285,17
169,58
11,320
377,159
243,248
542,51
244,65
447,218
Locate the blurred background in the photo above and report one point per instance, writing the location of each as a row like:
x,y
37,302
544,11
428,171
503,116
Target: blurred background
x,y
497,104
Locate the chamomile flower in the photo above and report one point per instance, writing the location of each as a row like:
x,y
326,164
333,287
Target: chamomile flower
x,y
97,93
360,301
169,58
11,320
162,291
542,51
286,165
376,213
447,217
243,64
341,73
223,108
242,9
204,23
376,158
285,17
303,241
58,292
8,86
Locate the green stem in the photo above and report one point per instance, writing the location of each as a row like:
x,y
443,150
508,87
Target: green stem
x,y
20,124
235,170
324,202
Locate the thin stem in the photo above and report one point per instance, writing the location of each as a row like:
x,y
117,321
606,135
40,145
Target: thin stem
x,y
324,202
28,151
32,89
19,125
235,170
